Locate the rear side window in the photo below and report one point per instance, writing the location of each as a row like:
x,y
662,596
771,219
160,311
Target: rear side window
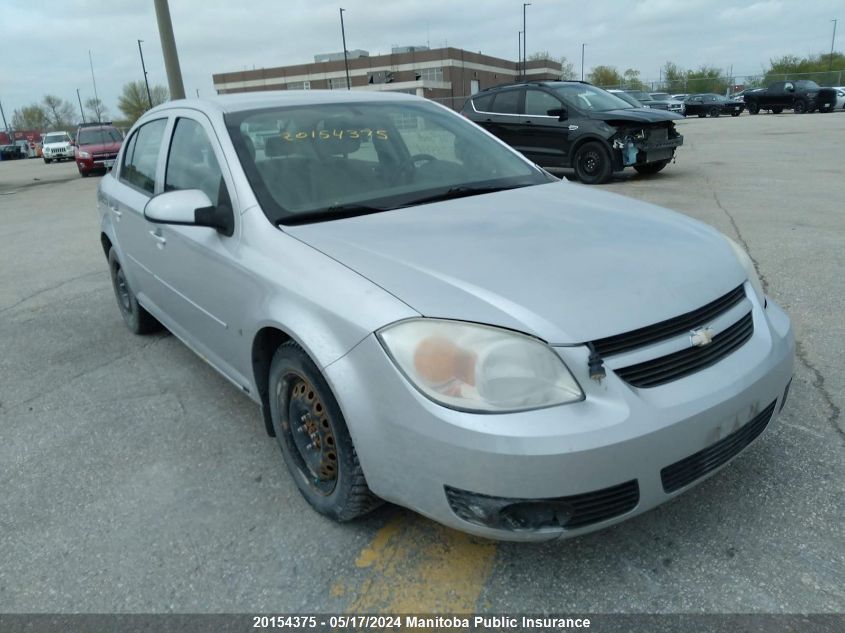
x,y
506,102
538,102
141,157
191,163
483,104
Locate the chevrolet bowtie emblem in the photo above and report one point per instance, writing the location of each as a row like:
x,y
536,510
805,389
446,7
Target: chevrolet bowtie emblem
x,y
701,336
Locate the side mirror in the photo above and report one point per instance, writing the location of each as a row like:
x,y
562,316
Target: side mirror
x,y
189,207
561,113
789,88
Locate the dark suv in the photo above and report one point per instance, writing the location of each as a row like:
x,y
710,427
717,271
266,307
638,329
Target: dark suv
x,y
574,124
97,145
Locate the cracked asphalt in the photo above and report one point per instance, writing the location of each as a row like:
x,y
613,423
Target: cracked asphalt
x,y
133,478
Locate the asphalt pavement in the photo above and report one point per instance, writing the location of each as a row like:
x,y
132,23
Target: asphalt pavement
x,y
134,478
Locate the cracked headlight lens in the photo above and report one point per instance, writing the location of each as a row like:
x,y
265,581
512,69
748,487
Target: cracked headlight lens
x,y
477,367
750,270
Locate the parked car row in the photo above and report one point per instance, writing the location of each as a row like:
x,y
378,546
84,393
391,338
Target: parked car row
x,y
94,148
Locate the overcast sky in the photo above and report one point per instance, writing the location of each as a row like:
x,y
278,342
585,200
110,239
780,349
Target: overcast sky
x,y
45,43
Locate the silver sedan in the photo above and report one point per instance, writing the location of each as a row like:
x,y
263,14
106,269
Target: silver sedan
x,y
426,318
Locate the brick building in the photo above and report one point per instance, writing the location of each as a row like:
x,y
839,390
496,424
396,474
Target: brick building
x,y
448,75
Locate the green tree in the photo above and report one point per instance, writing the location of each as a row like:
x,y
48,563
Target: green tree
x,y
824,68
674,79
60,113
605,76
96,109
707,79
133,101
31,117
632,80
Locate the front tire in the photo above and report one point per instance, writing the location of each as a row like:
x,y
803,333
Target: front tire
x,y
714,112
138,320
649,169
754,108
47,161
799,107
314,438
592,163
777,110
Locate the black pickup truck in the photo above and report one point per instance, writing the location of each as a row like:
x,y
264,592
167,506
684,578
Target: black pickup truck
x,y
799,96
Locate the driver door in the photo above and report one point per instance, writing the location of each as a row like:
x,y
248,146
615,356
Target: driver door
x,y
544,139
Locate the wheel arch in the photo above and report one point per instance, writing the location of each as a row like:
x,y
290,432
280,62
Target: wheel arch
x,y
264,345
586,138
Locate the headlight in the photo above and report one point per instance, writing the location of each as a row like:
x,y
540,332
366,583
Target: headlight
x,y
84,155
478,367
750,270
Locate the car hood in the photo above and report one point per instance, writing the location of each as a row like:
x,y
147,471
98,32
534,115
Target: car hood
x,y
561,261
57,145
637,115
100,147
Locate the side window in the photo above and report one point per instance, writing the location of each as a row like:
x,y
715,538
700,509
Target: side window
x,y
506,102
141,157
191,163
483,104
538,102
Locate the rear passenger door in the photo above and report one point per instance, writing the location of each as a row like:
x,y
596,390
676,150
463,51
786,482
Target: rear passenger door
x,y
126,201
543,138
502,118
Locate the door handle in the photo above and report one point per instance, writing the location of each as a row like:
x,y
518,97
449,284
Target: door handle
x,y
117,212
159,238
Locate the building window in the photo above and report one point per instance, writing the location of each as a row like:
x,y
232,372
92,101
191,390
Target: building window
x,y
338,83
430,74
299,85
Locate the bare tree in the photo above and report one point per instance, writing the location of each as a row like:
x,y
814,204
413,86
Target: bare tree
x,y
31,117
60,113
96,110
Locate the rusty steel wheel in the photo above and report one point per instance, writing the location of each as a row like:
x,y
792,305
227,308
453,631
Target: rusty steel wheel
x,y
314,439
312,433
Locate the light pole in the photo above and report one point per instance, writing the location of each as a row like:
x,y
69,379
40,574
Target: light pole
x,y
524,43
81,111
832,40
94,81
519,53
582,61
144,68
168,50
345,58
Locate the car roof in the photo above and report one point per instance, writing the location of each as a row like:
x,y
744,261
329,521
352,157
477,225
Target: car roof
x,y
539,82
272,98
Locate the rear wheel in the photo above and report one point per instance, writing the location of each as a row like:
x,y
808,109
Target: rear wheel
x,y
714,112
754,108
777,110
701,115
799,107
650,169
735,113
138,320
592,163
314,438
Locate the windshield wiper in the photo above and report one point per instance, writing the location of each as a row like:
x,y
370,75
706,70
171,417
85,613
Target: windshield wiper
x,y
462,191
335,212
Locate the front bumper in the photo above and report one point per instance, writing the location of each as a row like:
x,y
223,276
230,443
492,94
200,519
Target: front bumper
x,y
86,165
58,154
412,450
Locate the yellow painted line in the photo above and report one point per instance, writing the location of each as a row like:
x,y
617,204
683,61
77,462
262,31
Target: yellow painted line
x,y
414,565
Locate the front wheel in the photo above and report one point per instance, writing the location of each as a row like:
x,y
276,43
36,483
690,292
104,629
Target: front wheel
x,y
592,163
314,438
649,169
735,113
714,112
47,161
138,320
799,107
777,110
754,108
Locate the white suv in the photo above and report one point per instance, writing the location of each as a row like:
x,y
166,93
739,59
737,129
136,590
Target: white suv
x,y
56,146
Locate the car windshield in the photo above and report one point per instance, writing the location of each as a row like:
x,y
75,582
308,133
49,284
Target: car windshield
x,y
639,95
660,95
586,97
97,136
335,160
56,138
